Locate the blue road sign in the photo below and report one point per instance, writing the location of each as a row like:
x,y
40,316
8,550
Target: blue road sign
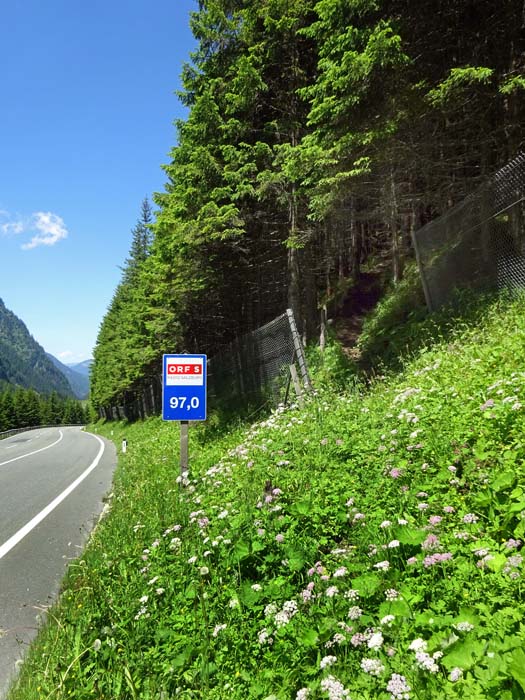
x,y
184,387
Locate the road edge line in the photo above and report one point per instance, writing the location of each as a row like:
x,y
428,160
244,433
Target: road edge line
x,y
35,451
26,529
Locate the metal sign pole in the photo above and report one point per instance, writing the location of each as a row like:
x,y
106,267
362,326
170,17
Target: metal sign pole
x,y
184,439
184,395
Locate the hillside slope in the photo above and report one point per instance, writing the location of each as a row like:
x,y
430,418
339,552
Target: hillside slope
x,y
367,546
83,368
23,361
78,381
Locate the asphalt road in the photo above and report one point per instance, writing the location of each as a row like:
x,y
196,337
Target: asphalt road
x,y
52,485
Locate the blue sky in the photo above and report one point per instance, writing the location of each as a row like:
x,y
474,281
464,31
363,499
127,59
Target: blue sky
x,y
86,121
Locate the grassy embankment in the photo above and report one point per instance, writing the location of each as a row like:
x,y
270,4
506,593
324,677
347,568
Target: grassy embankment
x,y
366,546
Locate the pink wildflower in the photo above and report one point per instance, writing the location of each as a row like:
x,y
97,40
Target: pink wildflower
x,y
431,542
470,518
358,639
436,558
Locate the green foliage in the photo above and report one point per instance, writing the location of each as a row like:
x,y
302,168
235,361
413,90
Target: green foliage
x,y
371,533
124,355
514,84
401,326
319,135
330,369
390,330
458,80
23,408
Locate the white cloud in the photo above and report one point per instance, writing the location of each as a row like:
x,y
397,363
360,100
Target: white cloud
x,y
50,227
12,227
68,357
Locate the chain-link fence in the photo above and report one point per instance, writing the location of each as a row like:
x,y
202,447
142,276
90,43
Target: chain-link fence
x,y
253,369
256,366
480,243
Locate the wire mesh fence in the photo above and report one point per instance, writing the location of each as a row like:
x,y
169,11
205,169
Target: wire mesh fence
x,y
251,370
478,244
256,366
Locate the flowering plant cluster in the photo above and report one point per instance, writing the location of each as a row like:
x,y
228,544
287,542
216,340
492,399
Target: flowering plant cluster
x,y
366,546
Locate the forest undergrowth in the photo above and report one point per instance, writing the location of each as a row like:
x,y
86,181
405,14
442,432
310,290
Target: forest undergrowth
x,y
367,545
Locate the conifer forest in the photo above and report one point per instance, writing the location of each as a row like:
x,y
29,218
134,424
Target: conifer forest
x,y
319,136
25,408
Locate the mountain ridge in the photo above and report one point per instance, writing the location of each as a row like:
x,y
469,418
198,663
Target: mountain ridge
x,y
83,367
78,381
23,361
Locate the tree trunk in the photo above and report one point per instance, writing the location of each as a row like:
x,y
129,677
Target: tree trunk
x,y
395,238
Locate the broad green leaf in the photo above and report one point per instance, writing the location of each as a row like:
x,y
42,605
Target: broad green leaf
x,y
190,592
497,562
309,638
517,666
296,558
411,536
248,596
503,481
367,584
516,507
463,654
301,508
399,608
241,550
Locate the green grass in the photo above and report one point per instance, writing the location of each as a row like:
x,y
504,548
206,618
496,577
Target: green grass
x,y
263,574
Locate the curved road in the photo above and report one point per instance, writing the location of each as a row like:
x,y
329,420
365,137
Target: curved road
x,y
52,484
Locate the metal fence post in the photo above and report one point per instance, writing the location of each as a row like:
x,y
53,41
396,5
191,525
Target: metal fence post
x,y
422,275
299,352
297,385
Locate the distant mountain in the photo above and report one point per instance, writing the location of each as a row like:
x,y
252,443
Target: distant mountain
x,y
79,381
82,367
23,361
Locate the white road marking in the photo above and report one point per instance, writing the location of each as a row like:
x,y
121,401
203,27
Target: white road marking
x,y
28,454
26,529
10,447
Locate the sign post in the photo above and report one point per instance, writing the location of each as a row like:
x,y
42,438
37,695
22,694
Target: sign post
x,y
184,395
